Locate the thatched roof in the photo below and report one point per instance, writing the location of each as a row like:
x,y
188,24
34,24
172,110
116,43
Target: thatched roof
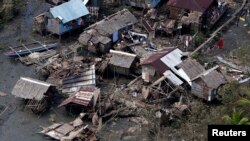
x,y
28,88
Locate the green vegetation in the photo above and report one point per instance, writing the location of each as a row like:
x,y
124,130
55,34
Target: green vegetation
x,y
199,39
199,57
243,101
237,118
242,55
52,117
8,10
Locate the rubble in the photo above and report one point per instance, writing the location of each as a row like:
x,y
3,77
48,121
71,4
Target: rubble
x,y
86,96
156,77
97,36
75,130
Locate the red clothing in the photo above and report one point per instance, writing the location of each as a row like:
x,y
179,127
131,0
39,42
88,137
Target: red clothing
x,y
220,43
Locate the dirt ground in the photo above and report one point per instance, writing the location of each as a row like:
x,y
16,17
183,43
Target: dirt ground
x,y
22,125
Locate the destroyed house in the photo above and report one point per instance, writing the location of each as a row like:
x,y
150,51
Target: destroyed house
x,y
189,69
121,62
172,64
66,17
142,3
37,93
205,12
71,131
99,36
162,63
193,5
86,96
206,84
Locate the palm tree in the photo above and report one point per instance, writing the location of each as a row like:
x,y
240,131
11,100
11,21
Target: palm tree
x,y
237,118
243,101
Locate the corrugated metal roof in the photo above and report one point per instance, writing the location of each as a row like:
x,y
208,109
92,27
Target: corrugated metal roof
x,y
192,68
156,56
160,60
121,59
195,5
173,78
29,88
212,78
83,97
69,11
173,58
86,78
116,22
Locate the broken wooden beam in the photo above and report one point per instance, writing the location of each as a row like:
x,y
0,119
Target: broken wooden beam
x,y
162,99
135,80
158,81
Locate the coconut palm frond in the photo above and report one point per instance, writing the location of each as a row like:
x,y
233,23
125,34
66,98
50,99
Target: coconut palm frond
x,y
243,101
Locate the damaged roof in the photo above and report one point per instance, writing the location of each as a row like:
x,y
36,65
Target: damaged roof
x,y
82,97
194,5
73,83
212,78
69,11
28,88
121,59
156,61
115,22
192,68
107,26
157,56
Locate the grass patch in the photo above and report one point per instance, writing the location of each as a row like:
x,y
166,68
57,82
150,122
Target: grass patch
x,y
242,55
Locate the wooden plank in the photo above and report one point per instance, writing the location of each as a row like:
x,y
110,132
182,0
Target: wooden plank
x,y
159,81
169,95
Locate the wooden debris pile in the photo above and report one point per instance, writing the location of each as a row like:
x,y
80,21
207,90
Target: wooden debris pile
x,y
75,130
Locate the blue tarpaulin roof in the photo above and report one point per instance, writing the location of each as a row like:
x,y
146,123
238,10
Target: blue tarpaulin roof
x,y
69,11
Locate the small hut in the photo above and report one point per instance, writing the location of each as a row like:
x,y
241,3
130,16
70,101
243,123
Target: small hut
x,y
206,84
121,62
99,37
37,94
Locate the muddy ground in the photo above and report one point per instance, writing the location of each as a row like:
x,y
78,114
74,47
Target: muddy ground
x,y
15,123
22,125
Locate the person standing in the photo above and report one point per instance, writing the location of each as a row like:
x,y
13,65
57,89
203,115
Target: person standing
x,y
220,44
